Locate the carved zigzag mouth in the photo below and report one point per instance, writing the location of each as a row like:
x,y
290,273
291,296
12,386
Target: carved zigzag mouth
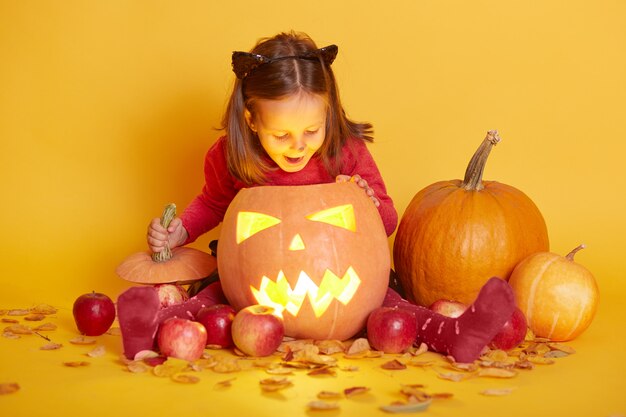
x,y
280,295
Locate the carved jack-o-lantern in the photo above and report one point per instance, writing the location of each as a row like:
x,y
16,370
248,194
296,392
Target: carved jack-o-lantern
x,y
318,254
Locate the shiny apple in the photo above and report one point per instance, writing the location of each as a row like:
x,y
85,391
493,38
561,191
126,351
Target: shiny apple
x,y
93,313
448,308
181,338
217,320
513,332
257,330
171,294
391,329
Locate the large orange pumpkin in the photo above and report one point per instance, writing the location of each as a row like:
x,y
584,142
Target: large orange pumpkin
x,y
558,296
455,235
316,253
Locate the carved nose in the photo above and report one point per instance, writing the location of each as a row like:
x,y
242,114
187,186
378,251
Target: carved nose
x,y
296,243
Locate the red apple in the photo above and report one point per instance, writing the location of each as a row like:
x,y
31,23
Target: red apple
x,y
448,308
513,332
391,329
93,313
171,294
217,320
181,338
257,330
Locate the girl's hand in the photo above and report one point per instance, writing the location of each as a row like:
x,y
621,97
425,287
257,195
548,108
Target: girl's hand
x,y
175,235
361,183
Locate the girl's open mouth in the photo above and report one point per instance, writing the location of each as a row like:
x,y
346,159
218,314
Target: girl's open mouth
x,y
294,160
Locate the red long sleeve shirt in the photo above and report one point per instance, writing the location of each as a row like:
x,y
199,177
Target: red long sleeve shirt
x,y
207,210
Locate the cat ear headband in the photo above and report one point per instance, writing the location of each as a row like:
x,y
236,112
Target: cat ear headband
x,y
245,62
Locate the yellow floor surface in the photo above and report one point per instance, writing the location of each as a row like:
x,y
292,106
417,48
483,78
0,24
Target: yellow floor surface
x,y
586,383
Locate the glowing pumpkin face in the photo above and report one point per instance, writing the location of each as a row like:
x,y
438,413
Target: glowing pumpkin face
x,y
316,253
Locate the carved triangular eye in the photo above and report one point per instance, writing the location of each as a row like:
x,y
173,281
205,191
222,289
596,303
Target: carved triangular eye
x,y
340,216
250,223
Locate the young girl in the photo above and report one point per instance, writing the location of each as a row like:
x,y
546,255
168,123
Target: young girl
x,y
285,125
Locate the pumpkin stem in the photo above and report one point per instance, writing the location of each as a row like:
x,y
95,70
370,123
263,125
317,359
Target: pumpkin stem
x,y
570,255
169,212
473,180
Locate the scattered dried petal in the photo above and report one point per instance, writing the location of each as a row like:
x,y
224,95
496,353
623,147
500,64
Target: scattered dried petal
x,y
393,365
51,346
10,335
18,312
274,384
539,360
97,352
185,378
18,329
226,383
350,368
352,391
451,376
9,388
44,309
556,354
137,367
400,407
76,364
329,347
145,354
170,367
279,371
323,370
226,365
35,317
9,321
329,395
562,348
360,345
322,405
83,340
497,392
45,327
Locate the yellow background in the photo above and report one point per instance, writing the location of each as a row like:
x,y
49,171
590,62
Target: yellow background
x,y
107,108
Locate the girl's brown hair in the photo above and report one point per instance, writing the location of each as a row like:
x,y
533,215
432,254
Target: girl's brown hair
x,y
276,80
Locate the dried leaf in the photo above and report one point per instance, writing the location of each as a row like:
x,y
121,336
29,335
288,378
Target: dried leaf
x,y
450,376
76,364
34,317
496,373
393,365
170,367
562,348
322,405
9,388
18,329
51,346
185,378
329,395
400,407
556,354
83,340
18,312
44,309
274,384
137,367
360,345
497,392
226,383
45,327
323,370
9,321
97,352
352,391
329,347
226,365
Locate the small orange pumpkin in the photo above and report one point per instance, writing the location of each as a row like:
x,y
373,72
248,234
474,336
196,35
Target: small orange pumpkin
x,y
180,264
558,296
318,254
455,235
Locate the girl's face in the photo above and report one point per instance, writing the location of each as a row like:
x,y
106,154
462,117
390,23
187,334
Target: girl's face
x,y
291,130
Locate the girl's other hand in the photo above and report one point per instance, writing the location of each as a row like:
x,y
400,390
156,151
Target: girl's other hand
x,y
158,237
361,183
